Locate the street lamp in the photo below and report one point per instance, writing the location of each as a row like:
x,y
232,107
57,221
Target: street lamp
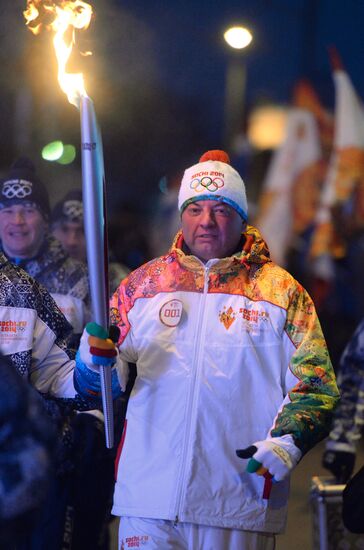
x,y
237,38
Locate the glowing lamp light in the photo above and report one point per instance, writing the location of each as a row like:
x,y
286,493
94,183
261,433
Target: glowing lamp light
x,y
53,151
238,37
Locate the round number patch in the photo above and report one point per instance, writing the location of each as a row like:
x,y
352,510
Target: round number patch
x,y
171,313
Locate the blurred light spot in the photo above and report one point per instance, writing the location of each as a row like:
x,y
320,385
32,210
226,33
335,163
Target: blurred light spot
x,y
68,155
163,185
266,127
52,151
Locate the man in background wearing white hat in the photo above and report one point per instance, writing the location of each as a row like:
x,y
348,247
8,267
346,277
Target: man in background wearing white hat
x,y
230,355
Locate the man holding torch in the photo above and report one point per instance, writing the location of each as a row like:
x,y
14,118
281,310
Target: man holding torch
x,y
213,327
230,361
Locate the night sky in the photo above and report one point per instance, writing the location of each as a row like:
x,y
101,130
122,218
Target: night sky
x,y
290,41
158,74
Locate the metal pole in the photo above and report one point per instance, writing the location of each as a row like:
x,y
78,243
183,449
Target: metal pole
x,y
234,100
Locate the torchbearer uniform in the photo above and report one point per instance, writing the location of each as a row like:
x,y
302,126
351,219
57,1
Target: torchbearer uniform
x,y
65,278
227,353
33,334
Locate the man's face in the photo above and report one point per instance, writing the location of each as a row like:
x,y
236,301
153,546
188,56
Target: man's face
x,y
211,229
22,229
72,237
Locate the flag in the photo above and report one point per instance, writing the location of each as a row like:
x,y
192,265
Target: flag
x,y
341,209
307,187
294,168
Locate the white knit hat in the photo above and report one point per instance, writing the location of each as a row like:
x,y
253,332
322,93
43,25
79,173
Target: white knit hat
x,y
213,179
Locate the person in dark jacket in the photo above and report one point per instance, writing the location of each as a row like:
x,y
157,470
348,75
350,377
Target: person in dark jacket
x,y
27,443
25,240
67,227
33,334
348,421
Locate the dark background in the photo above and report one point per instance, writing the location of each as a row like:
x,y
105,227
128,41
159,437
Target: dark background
x,y
157,77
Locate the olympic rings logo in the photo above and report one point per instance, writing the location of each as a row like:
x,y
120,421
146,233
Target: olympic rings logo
x,y
73,209
206,183
17,189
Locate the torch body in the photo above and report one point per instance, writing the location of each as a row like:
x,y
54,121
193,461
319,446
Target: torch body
x,y
93,194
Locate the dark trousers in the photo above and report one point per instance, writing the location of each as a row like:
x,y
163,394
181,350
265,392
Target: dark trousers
x,y
76,513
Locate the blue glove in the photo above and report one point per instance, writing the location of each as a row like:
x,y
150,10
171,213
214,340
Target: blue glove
x,y
96,349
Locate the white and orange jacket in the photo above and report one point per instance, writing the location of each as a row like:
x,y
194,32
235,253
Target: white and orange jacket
x,y
227,353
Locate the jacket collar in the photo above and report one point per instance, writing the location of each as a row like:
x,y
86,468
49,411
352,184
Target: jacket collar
x,y
254,251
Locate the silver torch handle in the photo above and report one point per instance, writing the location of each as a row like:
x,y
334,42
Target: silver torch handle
x,y
93,193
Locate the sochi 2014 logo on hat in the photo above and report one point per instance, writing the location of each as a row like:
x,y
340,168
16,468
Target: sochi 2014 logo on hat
x,y
210,183
171,313
17,189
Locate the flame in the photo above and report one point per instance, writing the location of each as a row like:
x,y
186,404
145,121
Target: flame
x,y
62,17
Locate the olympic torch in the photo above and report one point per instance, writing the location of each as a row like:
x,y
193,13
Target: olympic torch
x,y
93,194
63,17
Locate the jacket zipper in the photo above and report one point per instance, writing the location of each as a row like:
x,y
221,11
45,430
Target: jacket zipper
x,y
192,397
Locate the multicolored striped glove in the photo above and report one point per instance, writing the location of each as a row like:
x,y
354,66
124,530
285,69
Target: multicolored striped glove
x,y
276,456
98,349
102,349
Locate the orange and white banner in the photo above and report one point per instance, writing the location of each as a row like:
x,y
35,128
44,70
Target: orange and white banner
x,y
343,190
290,176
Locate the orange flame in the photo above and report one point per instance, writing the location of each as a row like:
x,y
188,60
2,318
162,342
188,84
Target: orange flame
x,y
62,17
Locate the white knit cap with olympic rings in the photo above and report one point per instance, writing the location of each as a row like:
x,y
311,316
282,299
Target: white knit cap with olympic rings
x,y
213,179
